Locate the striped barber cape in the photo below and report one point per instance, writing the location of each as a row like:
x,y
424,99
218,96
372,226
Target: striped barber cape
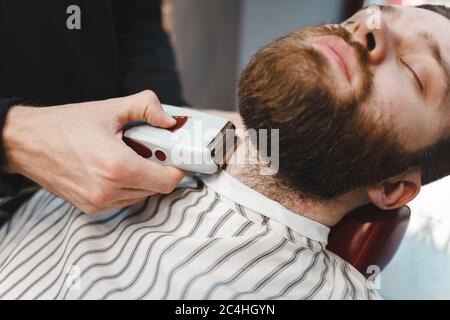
x,y
221,240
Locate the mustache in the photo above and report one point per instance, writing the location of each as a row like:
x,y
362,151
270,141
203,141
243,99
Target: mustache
x,y
362,54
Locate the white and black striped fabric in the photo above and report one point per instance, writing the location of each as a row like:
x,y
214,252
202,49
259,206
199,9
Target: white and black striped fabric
x,y
192,244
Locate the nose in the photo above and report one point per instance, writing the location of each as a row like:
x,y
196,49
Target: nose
x,y
375,38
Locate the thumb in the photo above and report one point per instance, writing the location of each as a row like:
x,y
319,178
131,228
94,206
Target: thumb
x,y
145,106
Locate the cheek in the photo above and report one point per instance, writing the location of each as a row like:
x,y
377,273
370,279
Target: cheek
x,y
391,96
395,103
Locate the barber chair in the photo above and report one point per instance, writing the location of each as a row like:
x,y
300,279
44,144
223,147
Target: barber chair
x,y
369,237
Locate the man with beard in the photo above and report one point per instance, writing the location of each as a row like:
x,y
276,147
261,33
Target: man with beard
x,y
362,116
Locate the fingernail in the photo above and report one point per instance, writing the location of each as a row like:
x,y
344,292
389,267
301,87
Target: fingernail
x,y
169,118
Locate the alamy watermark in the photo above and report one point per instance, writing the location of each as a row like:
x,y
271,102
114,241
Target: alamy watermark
x,y
232,147
374,279
73,21
73,278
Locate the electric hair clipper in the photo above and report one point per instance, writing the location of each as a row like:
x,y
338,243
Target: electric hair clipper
x,y
198,143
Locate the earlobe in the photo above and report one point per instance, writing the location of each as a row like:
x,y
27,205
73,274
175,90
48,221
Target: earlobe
x,y
396,192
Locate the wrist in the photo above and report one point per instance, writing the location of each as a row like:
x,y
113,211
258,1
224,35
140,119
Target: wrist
x,y
16,128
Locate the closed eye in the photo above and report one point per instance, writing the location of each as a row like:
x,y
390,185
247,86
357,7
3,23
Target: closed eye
x,y
416,77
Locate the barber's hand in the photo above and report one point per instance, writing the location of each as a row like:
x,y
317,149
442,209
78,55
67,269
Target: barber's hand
x,y
76,151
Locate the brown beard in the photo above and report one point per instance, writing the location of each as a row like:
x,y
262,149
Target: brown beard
x,y
327,146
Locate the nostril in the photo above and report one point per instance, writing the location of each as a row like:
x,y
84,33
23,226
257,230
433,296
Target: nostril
x,y
371,43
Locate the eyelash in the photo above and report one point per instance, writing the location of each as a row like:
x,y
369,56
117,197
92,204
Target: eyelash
x,y
419,83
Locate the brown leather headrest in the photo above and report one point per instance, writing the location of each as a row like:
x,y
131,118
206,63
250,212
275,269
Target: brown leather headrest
x,y
369,236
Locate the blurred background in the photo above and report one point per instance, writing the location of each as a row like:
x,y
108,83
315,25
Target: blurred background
x,y
214,39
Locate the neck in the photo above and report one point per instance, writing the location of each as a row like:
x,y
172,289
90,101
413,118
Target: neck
x,y
246,170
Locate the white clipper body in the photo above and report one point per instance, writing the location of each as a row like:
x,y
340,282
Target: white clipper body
x,y
199,142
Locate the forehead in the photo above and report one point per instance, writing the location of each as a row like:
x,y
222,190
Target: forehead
x,y
425,20
408,21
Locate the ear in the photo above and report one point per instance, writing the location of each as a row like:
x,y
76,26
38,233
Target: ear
x,y
396,192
